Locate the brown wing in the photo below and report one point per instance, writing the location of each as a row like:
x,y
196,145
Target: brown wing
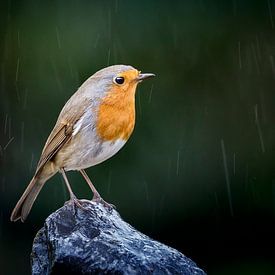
x,y
60,135
62,132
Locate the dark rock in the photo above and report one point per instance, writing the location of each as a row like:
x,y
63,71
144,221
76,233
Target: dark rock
x,y
98,241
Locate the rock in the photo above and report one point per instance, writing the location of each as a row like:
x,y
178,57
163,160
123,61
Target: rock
x,y
98,241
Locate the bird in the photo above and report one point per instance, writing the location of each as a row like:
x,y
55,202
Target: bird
x,y
94,124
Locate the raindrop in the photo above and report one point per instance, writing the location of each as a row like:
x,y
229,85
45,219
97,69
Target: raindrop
x,y
5,124
116,6
58,37
9,142
257,122
270,14
240,57
25,99
17,69
18,38
150,94
96,41
146,190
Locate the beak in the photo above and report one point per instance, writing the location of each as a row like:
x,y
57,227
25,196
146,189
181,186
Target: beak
x,y
144,76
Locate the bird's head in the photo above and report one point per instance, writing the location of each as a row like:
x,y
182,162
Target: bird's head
x,y
118,81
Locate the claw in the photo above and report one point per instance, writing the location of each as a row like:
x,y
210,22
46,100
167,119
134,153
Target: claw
x,y
76,202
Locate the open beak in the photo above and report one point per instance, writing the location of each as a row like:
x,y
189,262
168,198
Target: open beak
x,y
144,76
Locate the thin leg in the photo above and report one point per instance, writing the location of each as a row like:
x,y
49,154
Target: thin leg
x,y
87,179
73,197
96,197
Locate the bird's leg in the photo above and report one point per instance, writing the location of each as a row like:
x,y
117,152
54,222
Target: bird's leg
x,y
87,179
73,197
96,196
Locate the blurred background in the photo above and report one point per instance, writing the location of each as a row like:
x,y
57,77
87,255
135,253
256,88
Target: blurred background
x,y
198,172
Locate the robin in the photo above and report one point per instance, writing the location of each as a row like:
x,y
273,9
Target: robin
x,y
93,126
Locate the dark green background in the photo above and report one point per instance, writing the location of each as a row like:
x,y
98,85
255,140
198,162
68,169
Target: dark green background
x,y
215,86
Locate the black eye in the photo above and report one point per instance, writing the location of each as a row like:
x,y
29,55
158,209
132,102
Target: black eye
x,y
119,80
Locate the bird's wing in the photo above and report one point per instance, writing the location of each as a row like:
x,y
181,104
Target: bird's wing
x,y
59,136
62,132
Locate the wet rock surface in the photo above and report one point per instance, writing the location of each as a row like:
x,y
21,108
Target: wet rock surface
x,y
98,241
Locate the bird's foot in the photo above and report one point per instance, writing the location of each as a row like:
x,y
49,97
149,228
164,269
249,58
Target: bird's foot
x,y
76,202
98,199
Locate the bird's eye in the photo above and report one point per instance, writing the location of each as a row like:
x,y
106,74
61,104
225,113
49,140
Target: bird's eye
x,y
119,80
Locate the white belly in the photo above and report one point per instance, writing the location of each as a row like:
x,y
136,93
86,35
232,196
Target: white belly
x,y
92,154
108,149
86,149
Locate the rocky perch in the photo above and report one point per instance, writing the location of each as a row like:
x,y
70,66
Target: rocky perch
x,y
98,241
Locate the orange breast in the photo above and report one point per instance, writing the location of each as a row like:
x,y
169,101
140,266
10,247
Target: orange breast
x,y
116,114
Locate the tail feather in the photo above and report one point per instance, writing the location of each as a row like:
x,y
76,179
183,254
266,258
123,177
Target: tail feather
x,y
24,205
